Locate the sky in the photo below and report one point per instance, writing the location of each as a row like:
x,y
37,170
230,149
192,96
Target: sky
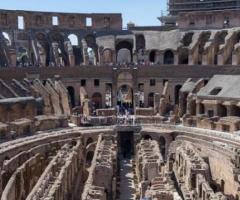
x,y
141,12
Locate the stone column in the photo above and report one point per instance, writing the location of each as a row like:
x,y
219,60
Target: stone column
x,y
198,107
135,57
136,102
156,103
176,58
114,87
114,57
230,110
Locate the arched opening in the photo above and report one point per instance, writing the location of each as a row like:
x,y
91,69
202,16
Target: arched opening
x,y
58,48
151,100
162,145
89,158
76,48
43,49
183,56
73,39
124,56
22,57
204,37
176,93
125,99
8,41
92,49
140,42
147,137
153,56
71,93
140,48
124,52
97,100
107,56
89,141
168,57
91,56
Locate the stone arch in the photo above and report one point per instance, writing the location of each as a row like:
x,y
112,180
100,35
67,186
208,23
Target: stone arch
x,y
57,38
153,56
124,52
176,93
219,40
71,93
151,99
4,59
89,141
92,49
140,42
8,40
43,48
204,37
73,38
125,98
125,78
76,48
23,59
89,158
168,58
147,137
183,56
97,100
107,56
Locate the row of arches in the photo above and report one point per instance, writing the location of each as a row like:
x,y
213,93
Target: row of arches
x,y
57,45
97,98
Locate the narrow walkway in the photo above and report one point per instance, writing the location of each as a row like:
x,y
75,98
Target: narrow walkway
x,y
127,191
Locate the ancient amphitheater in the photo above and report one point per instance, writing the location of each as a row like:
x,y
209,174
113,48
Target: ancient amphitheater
x,y
92,111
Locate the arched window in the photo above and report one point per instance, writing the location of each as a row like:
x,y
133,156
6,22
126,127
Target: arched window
x,y
168,57
73,39
151,100
153,56
107,56
140,42
124,52
43,48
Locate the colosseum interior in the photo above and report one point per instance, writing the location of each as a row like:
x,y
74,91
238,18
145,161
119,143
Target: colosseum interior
x,y
92,111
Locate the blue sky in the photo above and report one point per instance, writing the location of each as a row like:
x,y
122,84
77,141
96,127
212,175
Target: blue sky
x,y
141,12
